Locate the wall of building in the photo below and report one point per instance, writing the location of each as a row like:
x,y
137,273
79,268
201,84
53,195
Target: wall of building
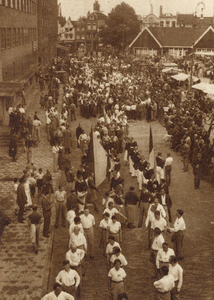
x,y
18,40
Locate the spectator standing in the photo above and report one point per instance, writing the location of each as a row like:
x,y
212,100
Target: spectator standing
x,y
168,169
131,200
88,223
60,201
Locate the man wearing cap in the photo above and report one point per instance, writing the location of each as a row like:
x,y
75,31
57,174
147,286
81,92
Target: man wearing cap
x,y
159,167
178,234
131,199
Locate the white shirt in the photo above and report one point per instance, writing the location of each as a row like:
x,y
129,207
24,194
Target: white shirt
x,y
163,198
87,221
158,242
179,224
165,284
55,149
78,240
163,256
177,273
168,161
114,227
104,224
60,196
161,223
121,257
62,296
112,212
36,123
76,257
151,216
117,275
109,247
70,216
68,278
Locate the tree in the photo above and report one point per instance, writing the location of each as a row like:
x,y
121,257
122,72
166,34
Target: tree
x,y
121,27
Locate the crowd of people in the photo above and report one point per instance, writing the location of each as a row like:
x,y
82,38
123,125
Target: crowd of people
x,y
115,94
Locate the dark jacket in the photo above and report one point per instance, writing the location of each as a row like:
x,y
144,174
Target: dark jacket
x,y
21,195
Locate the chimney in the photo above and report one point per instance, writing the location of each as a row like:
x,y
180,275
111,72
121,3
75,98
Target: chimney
x,y
96,6
161,11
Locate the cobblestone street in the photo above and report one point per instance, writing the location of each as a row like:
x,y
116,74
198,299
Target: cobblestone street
x,y
25,275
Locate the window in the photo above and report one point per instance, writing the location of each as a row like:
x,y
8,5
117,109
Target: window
x,y
8,37
3,38
83,37
13,37
173,23
17,36
89,26
66,36
161,24
21,36
71,35
78,37
94,26
167,23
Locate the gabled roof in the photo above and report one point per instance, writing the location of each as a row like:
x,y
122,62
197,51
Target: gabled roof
x,y
175,36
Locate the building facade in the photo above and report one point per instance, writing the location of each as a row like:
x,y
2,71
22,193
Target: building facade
x,y
47,15
94,22
18,39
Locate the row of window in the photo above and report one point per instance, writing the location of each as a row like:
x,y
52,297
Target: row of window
x,y
28,6
11,37
93,27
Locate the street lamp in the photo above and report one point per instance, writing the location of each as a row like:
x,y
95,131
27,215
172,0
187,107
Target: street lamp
x,y
193,46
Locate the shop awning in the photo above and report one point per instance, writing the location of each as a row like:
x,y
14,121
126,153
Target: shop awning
x,y
204,87
171,70
183,77
8,89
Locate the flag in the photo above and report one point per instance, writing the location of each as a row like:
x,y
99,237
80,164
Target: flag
x,y
98,159
151,150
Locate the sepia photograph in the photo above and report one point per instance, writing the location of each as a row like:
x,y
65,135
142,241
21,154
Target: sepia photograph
x,y
106,150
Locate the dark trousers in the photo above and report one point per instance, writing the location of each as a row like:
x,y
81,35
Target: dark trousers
x,y
47,220
168,176
197,182
21,212
178,244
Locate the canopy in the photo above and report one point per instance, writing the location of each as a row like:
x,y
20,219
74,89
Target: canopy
x,y
168,65
171,70
204,87
183,77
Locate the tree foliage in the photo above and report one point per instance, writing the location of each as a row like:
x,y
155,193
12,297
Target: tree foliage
x,y
121,27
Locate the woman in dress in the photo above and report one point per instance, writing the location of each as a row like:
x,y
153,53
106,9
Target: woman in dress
x,y
104,225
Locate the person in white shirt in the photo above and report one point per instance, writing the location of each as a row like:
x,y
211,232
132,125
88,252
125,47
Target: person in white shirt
x,y
60,202
176,270
118,255
178,234
104,226
159,222
78,239
117,276
58,294
156,244
77,222
36,129
110,247
168,169
111,210
69,279
163,256
55,151
164,285
155,206
114,229
88,223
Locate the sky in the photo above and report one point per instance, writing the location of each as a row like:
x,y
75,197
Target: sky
x,y
77,8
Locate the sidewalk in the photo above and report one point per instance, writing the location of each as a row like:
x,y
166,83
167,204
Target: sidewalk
x,y
22,271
